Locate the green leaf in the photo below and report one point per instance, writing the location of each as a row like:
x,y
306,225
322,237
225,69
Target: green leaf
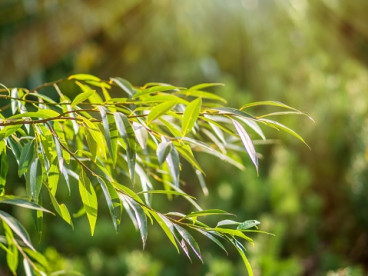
x,y
61,209
84,77
105,124
165,192
9,130
242,254
202,94
205,148
41,113
189,240
232,232
158,110
205,85
247,142
3,171
89,199
227,222
153,89
209,212
21,202
113,201
140,219
211,237
34,178
127,133
278,125
12,250
163,150
233,111
248,224
17,228
82,97
124,85
166,226
174,165
141,134
190,115
25,158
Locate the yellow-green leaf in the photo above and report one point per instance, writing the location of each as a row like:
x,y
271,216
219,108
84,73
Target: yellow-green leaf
x,y
159,110
89,199
190,115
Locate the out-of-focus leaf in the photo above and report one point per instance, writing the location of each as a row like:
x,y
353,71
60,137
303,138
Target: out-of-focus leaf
x,y
89,199
165,192
84,77
140,134
248,224
14,103
189,240
113,202
21,202
82,97
247,142
163,150
253,125
153,89
205,85
3,171
227,222
124,85
9,130
202,94
158,110
41,113
17,228
25,158
190,116
12,250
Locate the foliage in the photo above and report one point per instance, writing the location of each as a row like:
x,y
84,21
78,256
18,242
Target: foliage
x,y
127,145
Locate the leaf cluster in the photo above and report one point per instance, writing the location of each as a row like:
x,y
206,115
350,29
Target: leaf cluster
x,y
125,144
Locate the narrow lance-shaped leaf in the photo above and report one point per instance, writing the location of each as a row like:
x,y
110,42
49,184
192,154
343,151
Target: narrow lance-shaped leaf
x,y
190,115
124,85
61,209
163,150
89,199
247,142
105,124
113,201
34,178
21,202
3,171
82,97
248,224
189,240
174,165
127,133
41,113
140,217
25,158
17,228
12,250
159,110
166,226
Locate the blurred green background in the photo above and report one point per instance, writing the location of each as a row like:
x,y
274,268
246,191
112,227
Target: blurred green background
x,y
310,54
